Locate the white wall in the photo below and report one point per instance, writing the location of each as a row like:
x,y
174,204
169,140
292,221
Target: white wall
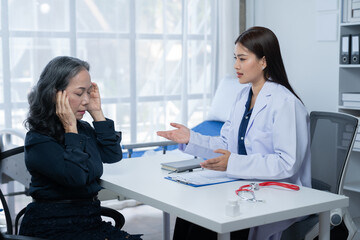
x,y
311,65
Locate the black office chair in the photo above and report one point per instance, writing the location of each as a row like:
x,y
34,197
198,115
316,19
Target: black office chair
x,y
9,226
332,139
12,165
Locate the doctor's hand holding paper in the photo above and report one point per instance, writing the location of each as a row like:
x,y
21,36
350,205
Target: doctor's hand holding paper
x,y
182,135
266,136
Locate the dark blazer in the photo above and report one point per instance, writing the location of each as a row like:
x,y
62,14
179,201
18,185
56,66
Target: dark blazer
x,y
71,170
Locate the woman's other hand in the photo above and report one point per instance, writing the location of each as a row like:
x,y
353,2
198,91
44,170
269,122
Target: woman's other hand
x,y
179,135
64,112
218,163
94,106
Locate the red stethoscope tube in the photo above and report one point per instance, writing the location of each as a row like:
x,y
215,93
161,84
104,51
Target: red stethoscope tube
x,y
255,186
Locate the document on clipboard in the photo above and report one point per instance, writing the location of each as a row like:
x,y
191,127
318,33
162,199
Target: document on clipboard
x,y
201,178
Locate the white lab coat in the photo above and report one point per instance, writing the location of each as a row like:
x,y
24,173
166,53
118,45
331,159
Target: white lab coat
x,y
277,143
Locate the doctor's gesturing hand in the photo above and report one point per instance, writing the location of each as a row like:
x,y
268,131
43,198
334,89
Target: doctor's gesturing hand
x,y
182,135
179,135
218,163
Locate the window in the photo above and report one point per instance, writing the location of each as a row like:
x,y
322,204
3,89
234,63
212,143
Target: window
x,y
152,59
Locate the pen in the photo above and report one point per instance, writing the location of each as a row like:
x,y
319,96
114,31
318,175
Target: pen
x,y
183,182
180,180
176,171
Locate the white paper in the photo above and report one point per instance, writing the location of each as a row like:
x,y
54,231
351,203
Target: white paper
x,y
201,177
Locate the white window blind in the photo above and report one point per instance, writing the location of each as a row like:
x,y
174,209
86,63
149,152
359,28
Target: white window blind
x,y
155,61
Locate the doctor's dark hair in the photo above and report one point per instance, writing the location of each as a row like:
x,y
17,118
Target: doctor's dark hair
x,y
55,77
264,43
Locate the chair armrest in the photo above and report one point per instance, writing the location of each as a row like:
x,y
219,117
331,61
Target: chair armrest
x,y
163,144
17,219
149,144
112,213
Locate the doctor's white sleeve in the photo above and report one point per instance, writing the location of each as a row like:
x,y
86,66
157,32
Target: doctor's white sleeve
x,y
290,148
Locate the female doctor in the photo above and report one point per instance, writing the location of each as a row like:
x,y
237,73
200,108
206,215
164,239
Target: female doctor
x,y
266,136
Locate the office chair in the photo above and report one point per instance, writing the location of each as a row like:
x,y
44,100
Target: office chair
x,y
10,139
8,235
332,137
12,165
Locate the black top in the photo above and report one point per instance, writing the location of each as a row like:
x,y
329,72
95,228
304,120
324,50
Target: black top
x,y
243,125
71,170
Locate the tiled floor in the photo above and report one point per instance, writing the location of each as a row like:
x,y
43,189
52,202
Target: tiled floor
x,y
141,218
146,220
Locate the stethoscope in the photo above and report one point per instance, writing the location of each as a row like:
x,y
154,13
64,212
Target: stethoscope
x,y
250,188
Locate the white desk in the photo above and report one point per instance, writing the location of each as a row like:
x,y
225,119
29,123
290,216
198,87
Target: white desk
x,y
142,179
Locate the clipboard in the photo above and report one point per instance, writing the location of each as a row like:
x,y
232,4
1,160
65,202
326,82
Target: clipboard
x,y
201,178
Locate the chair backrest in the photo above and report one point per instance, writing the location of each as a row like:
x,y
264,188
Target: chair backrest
x,y
10,138
332,138
12,166
12,156
8,235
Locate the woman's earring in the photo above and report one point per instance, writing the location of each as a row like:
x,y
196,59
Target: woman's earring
x,y
263,67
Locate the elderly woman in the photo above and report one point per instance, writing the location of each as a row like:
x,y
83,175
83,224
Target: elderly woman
x,y
64,155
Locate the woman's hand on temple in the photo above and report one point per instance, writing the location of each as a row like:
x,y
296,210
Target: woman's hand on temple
x,y
64,112
179,135
94,106
218,163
